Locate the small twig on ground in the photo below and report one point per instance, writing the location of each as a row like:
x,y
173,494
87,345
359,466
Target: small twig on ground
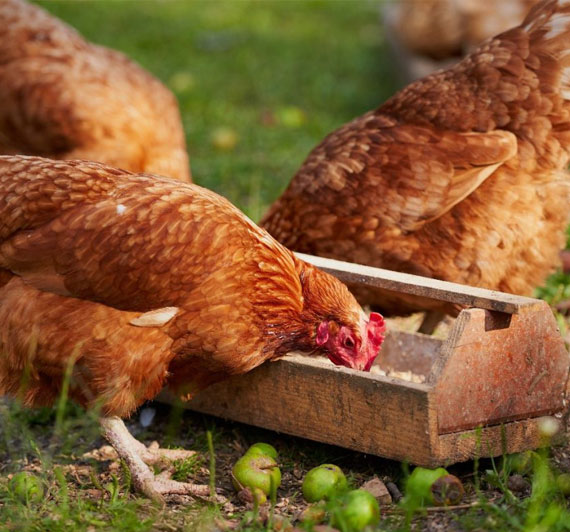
x,y
435,509
454,507
394,491
212,465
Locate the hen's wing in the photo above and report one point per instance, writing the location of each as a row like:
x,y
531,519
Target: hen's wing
x,y
402,175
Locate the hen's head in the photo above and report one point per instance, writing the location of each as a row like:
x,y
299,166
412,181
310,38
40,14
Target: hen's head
x,y
339,327
353,347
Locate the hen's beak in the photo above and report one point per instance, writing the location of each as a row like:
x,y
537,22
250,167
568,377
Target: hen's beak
x,y
373,335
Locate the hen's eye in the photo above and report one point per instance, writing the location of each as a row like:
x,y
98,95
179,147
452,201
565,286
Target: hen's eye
x,y
348,342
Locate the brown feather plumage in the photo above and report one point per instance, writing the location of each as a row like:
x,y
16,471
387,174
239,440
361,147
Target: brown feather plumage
x,y
86,249
65,98
460,176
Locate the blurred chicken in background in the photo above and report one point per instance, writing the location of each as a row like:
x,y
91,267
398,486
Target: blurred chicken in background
x,y
426,35
65,98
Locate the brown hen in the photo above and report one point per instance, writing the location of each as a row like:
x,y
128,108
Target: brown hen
x,y
140,281
64,98
446,28
461,176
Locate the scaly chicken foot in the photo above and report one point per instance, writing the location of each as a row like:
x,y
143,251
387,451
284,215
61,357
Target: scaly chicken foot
x,y
144,480
153,454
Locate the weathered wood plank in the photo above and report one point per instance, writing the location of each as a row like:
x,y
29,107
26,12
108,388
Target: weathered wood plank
x,y
312,399
513,437
404,351
371,414
485,376
421,286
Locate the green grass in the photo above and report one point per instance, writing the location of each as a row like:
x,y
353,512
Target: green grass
x,y
31,437
54,439
34,441
281,74
545,509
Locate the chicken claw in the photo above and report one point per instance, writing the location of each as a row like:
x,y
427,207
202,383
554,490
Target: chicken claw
x,y
154,454
155,486
137,456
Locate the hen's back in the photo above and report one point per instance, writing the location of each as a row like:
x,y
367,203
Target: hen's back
x,y
460,176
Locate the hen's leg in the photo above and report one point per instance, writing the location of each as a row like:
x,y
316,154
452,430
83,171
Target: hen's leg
x,y
431,320
153,454
144,480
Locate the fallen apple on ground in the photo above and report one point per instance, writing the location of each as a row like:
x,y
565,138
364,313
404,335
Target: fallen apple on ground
x,y
324,482
258,473
26,487
427,487
357,509
521,463
261,448
447,491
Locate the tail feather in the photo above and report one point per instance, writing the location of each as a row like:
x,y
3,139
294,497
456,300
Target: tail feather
x,y
548,24
548,27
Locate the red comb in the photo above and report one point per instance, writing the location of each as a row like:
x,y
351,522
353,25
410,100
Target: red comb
x,y
376,321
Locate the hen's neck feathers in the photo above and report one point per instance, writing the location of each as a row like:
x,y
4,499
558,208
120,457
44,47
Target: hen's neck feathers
x,y
322,298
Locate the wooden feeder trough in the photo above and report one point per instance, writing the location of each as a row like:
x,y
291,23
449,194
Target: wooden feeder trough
x,y
502,367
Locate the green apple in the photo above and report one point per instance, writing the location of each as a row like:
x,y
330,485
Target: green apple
x,y
256,471
26,487
291,116
563,483
522,463
419,483
437,487
323,482
358,509
261,448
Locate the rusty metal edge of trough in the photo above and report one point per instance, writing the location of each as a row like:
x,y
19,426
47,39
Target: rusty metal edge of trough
x,y
422,286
